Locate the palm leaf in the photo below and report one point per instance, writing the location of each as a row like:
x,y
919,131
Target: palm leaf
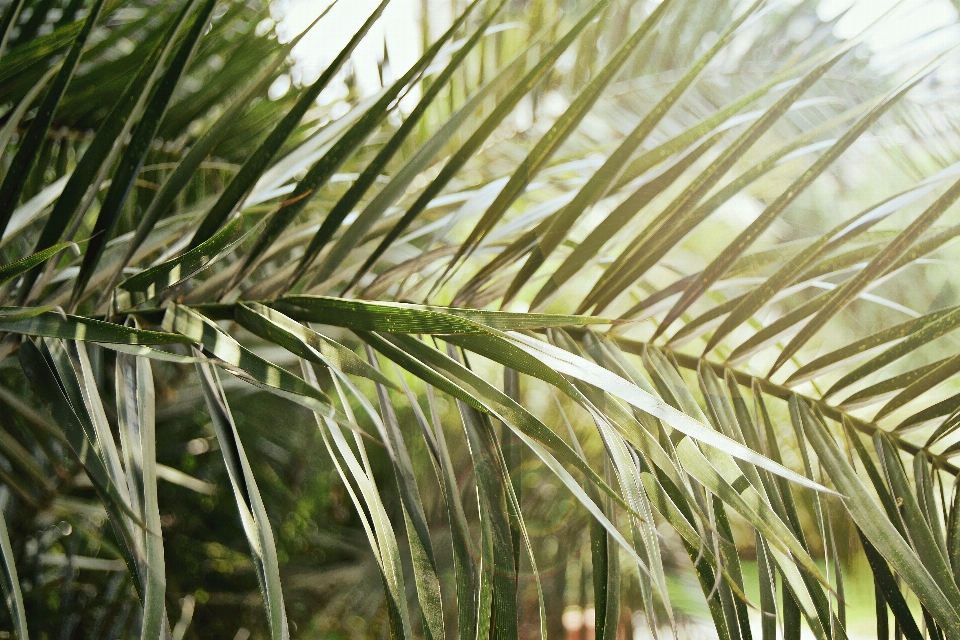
x,y
711,195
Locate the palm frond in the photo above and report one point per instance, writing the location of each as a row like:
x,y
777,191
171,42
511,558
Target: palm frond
x,y
683,256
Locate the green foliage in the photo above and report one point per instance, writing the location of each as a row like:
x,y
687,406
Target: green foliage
x,y
619,297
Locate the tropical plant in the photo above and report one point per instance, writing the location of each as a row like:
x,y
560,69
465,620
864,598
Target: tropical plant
x,y
591,296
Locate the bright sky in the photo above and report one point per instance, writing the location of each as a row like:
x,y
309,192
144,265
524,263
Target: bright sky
x,y
914,31
399,28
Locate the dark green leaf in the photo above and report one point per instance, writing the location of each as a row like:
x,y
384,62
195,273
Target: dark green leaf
x,y
243,182
23,162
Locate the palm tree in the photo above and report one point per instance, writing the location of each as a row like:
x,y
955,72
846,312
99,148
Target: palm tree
x,y
590,297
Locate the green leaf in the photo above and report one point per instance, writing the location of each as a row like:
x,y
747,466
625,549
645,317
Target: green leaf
x,y
923,481
626,463
735,249
943,371
878,529
771,333
556,135
378,527
878,265
768,591
302,341
10,271
141,141
50,324
953,533
333,159
253,516
11,583
394,189
243,362
606,580
200,149
598,183
822,518
7,23
486,128
793,269
450,376
244,181
930,548
728,550
888,588
917,333
570,365
53,380
617,220
87,402
700,553
15,117
491,483
23,162
418,532
395,317
885,388
938,409
150,282
136,417
713,127
464,566
626,268
362,184
873,473
41,48
91,169
860,348
153,354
